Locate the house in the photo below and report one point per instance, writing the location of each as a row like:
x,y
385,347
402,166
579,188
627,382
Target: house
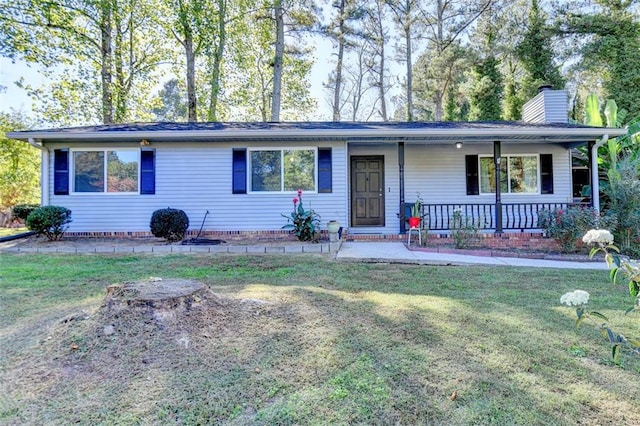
x,y
112,177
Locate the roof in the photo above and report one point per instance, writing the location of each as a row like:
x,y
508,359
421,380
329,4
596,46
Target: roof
x,y
364,132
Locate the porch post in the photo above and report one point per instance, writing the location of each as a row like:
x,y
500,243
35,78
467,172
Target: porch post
x,y
401,183
590,146
496,163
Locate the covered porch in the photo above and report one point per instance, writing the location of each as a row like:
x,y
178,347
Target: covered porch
x,y
447,167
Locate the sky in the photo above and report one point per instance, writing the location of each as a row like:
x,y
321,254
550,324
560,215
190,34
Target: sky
x,y
13,96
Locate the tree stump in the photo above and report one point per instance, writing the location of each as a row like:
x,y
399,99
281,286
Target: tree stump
x,y
162,299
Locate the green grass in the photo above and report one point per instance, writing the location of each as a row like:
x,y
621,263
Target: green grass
x,y
304,340
5,232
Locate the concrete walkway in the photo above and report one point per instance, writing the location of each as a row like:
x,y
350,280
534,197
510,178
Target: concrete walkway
x,y
397,252
348,251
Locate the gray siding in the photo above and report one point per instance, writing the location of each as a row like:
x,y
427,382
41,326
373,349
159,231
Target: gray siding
x,y
438,173
548,106
196,178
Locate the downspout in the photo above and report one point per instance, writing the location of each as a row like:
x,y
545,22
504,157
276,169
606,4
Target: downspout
x,y
595,182
44,171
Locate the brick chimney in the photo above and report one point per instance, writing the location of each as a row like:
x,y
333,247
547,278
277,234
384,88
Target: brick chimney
x,y
548,106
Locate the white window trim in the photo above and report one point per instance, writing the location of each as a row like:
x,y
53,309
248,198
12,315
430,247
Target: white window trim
x,y
506,158
72,176
281,149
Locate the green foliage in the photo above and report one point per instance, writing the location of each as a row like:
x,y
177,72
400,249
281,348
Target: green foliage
x,y
568,225
627,271
486,93
416,207
170,224
612,49
19,165
463,229
512,101
592,111
535,51
622,190
22,211
171,105
50,221
305,224
98,57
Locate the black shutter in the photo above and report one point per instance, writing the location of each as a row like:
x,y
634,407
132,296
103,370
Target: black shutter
x,y
324,170
546,173
148,171
61,172
239,171
471,162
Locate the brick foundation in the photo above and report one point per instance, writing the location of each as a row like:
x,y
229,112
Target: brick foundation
x,y
508,241
533,241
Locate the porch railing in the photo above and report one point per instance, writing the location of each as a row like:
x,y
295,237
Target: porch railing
x,y
515,216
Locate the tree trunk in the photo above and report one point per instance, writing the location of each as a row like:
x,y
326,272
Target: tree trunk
x,y
381,82
276,96
105,50
338,84
217,60
407,35
119,98
191,71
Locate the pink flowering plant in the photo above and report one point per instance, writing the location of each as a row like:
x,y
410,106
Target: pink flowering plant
x,y
622,269
566,226
305,224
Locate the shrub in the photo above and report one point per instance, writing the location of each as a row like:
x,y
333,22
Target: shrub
x,y
623,271
566,226
622,190
303,223
50,221
463,229
22,211
170,224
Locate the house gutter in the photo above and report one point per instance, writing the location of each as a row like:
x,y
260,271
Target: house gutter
x,y
595,181
44,171
374,133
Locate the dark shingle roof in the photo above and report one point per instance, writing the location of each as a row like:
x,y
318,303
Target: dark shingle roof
x,y
419,132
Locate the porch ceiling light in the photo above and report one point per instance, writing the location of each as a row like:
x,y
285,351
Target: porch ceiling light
x,y
458,145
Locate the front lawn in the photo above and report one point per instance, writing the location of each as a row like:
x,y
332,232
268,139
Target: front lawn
x,y
304,340
5,232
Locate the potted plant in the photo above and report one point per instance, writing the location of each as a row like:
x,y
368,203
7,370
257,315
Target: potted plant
x,y
416,213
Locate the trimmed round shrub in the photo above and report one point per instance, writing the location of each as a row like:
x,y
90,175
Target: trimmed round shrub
x,y
22,211
50,221
170,224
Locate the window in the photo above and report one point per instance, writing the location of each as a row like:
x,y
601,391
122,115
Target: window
x,y
283,170
519,175
110,171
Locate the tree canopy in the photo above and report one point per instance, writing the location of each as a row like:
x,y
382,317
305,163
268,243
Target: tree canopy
x,y
108,61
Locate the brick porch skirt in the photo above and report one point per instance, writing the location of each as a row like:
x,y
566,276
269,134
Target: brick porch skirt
x,y
533,241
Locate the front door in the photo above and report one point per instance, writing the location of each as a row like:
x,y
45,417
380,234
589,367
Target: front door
x,y
367,190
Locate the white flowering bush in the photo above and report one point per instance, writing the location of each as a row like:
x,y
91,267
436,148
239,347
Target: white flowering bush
x,y
601,237
575,298
622,269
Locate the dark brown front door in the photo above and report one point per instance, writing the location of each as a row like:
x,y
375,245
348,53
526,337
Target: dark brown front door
x,y
367,191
